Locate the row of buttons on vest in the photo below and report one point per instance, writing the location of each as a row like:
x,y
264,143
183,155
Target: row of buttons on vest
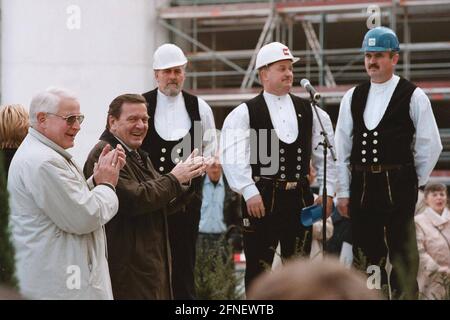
x,y
162,159
163,150
282,159
299,150
283,176
283,168
374,151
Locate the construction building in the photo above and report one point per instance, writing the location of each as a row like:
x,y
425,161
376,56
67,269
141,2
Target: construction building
x,y
222,39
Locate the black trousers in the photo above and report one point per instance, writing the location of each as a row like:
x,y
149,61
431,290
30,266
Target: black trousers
x,y
382,217
281,224
183,230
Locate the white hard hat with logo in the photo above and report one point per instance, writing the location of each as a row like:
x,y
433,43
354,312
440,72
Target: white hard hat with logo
x,y
273,52
168,56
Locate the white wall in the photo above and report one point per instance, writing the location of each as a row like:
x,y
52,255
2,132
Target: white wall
x,y
103,51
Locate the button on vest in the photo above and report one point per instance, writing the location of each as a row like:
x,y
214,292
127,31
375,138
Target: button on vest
x,y
390,141
293,158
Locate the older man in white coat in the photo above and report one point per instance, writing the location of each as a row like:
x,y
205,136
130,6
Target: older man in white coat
x,y
57,216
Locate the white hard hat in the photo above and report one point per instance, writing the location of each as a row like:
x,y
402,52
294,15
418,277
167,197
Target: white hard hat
x,y
273,52
168,56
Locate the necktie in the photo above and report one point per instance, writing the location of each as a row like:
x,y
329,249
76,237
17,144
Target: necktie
x,y
138,158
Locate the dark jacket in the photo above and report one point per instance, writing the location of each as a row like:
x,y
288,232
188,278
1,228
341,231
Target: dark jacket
x,y
138,244
8,154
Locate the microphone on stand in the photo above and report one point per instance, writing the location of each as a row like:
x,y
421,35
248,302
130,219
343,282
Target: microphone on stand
x,y
315,97
312,92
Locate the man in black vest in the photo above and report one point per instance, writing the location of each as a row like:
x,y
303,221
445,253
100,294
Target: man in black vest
x,y
387,144
178,123
267,145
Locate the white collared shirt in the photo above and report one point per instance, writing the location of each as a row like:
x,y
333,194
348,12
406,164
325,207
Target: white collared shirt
x,y
172,121
235,143
427,142
282,113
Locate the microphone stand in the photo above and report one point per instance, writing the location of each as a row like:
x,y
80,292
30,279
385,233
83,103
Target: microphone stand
x,y
325,145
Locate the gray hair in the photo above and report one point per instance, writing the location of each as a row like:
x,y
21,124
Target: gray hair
x,y
48,101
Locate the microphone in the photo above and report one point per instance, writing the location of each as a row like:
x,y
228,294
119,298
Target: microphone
x,y
308,87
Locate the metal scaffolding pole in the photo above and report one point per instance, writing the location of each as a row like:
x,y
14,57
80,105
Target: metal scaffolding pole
x,y
194,48
291,34
393,22
406,39
322,45
317,48
283,31
278,32
214,40
202,46
249,77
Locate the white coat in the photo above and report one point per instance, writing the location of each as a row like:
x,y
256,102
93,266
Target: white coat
x,y
57,224
433,242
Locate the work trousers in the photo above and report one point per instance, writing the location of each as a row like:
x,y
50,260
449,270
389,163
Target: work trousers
x,y
183,231
281,223
382,219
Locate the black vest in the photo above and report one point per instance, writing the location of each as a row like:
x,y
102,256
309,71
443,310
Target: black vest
x,y
390,141
166,154
294,158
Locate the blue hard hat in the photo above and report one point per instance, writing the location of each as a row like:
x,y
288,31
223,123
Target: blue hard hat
x,y
380,39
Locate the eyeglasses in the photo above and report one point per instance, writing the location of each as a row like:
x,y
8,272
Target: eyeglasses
x,y
71,118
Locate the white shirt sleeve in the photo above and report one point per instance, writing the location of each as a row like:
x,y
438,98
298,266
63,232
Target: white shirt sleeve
x,y
317,155
235,152
344,142
427,144
209,142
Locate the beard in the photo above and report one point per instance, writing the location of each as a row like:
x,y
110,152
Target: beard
x,y
172,90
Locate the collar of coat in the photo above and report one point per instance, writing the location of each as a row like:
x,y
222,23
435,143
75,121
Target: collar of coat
x,y
108,137
49,143
220,182
435,219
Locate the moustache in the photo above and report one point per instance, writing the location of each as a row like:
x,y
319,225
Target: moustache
x,y
374,66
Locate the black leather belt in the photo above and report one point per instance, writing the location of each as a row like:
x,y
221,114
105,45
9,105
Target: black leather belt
x,y
378,168
280,184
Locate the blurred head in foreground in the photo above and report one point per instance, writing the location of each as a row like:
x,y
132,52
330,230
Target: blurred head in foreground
x,y
312,280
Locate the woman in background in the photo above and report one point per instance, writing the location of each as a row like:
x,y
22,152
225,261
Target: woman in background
x,y
433,239
14,125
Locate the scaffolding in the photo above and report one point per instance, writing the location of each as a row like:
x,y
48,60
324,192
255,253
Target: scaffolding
x,y
223,37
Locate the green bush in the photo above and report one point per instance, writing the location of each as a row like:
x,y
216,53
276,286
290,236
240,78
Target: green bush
x,y
215,276
7,262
